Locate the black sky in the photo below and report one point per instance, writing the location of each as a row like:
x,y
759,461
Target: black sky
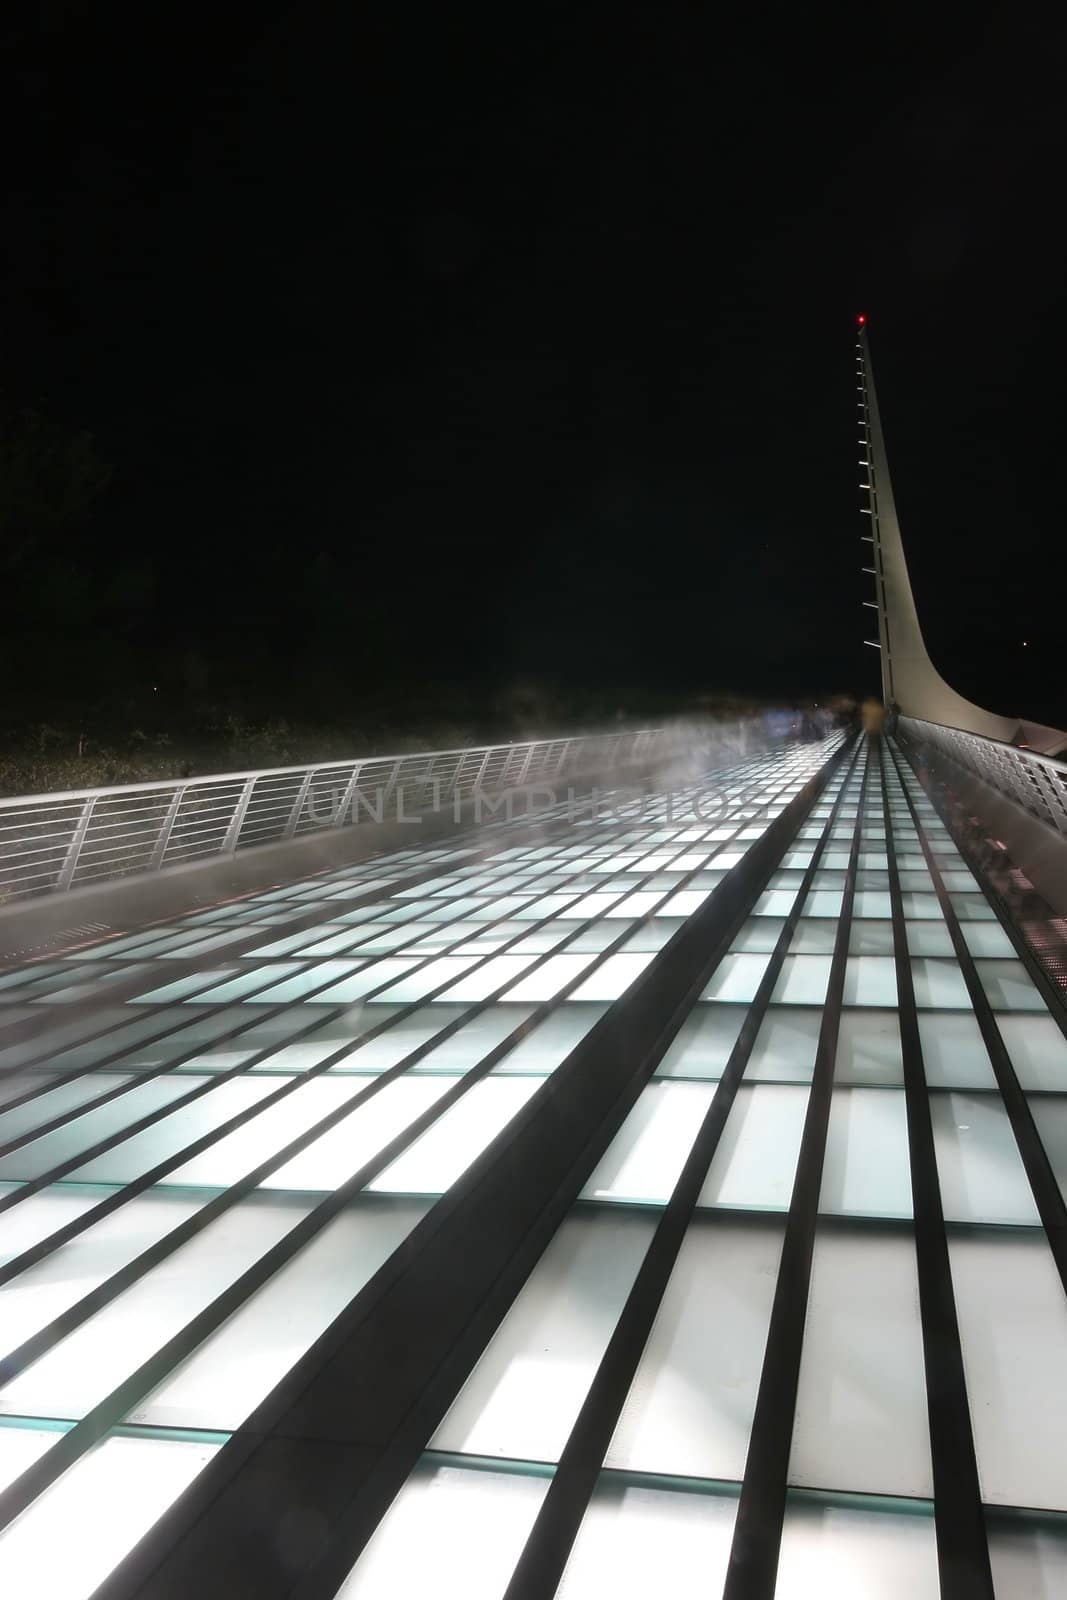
x,y
435,344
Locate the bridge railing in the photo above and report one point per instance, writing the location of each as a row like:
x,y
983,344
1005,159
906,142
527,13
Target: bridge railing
x,y
67,840
1037,783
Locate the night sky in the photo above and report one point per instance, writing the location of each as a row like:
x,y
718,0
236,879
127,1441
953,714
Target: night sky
x,y
511,348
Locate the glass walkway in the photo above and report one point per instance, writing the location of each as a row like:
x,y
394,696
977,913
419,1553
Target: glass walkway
x,y
659,1197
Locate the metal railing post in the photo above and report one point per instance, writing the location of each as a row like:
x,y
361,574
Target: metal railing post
x,y
298,804
74,849
229,843
159,849
346,798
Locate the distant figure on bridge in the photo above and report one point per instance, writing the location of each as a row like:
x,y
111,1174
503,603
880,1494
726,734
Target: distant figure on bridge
x,y
873,714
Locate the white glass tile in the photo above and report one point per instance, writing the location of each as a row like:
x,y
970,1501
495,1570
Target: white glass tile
x,y
451,1533
954,1055
929,938
1008,985
397,1042
802,981
524,1395
866,1171
551,1041
840,1552
328,1161
75,1374
815,936
32,1299
939,984
613,977
737,977
872,903
643,1161
870,981
785,1045
689,1409
869,1048
485,979
756,1159
416,985
1038,1051
987,939
228,1375
45,1152
1013,1331
861,1417
869,937
80,1528
546,981
702,1045
445,1151
978,1162
634,1543
1028,1555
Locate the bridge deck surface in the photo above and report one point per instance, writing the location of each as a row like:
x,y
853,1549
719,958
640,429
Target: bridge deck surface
x,y
801,1326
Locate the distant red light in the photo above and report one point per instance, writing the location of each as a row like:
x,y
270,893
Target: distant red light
x,y
861,321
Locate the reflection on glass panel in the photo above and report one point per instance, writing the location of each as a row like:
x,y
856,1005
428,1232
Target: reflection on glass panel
x,y
81,1132
236,1367
870,981
689,1410
840,1551
1008,985
337,1155
439,1156
954,1054
613,977
870,937
866,1171
80,1528
939,984
1038,1051
524,1395
929,938
785,1045
546,981
1050,1115
450,1533
635,1543
1013,1330
472,1042
861,1421
20,1447
987,939
81,1369
643,1161
44,1290
868,1048
702,1045
1028,1554
756,1158
802,980
978,1162
551,1041
737,977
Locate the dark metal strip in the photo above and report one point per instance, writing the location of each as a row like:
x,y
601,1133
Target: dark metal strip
x,y
753,1566
962,1549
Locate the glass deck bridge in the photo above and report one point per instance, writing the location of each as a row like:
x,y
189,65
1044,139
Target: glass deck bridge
x,y
669,1199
